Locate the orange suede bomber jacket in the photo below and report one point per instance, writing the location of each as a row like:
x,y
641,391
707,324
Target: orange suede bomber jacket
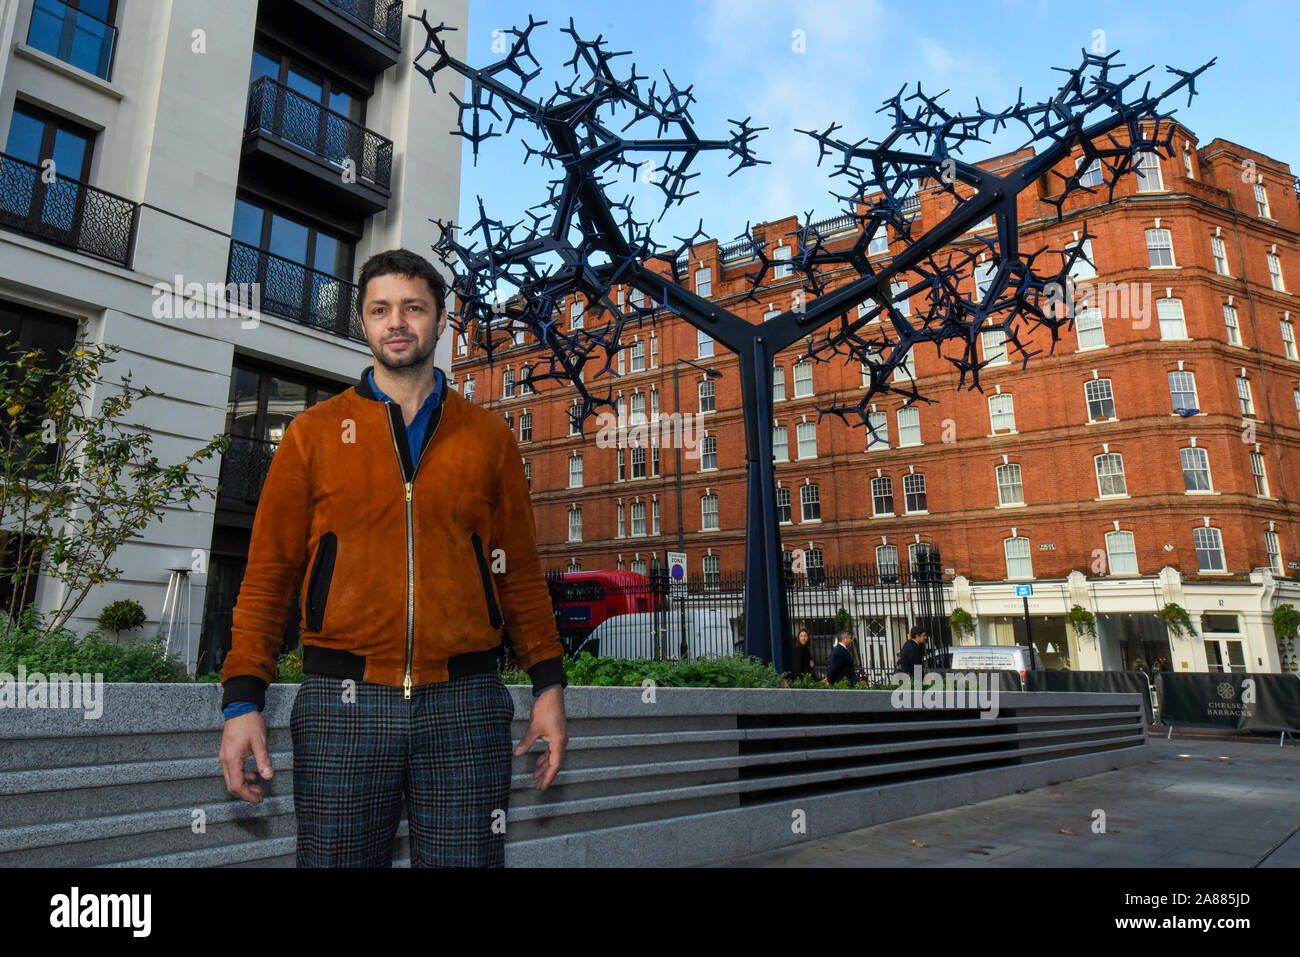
x,y
408,569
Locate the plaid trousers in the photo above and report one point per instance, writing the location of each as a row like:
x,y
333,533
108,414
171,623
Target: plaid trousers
x,y
447,750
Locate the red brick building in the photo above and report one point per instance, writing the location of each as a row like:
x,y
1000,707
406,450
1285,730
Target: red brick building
x,y
1147,459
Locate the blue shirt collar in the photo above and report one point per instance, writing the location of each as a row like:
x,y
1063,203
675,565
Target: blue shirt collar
x,y
430,402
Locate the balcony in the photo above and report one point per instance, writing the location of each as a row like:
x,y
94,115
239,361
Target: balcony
x,y
363,35
345,164
292,291
243,471
66,212
74,36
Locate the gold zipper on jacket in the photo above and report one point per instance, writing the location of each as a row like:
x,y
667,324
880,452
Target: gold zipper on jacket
x,y
410,537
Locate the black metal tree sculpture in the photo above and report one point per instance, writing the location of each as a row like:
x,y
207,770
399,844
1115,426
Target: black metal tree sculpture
x,y
581,242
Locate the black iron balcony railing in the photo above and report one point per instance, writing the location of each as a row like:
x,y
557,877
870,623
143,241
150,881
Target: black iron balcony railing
x,y
243,470
74,36
382,16
326,134
295,292
66,212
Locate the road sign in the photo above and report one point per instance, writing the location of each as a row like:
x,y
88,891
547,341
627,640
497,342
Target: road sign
x,y
1024,591
677,569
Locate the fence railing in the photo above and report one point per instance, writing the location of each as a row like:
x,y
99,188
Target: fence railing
x,y
243,470
382,16
296,292
66,212
653,619
324,133
74,36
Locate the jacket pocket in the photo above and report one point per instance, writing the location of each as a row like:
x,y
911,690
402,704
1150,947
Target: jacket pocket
x,y
485,573
318,584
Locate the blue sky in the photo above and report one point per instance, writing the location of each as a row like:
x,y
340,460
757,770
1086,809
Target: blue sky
x,y
738,55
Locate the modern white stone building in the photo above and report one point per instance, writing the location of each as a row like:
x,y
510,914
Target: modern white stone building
x,y
278,143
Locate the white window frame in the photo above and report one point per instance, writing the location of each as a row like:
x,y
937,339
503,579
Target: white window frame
x,y
995,355
1002,413
803,380
810,500
1014,544
1259,471
1089,328
1147,166
1194,460
575,471
575,524
1219,250
1009,477
703,341
778,383
806,437
1160,246
1273,548
780,443
707,396
1245,398
1261,201
877,423
709,453
704,281
1110,466
1275,272
1231,324
1184,376
1209,540
882,493
917,482
1168,318
1121,544
709,513
1288,339
909,426
1096,386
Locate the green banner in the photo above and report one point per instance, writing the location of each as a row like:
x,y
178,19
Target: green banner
x,y
1233,700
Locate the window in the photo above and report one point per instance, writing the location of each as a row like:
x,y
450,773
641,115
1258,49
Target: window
x,y
864,307
1019,564
1182,392
508,384
803,384
896,289
1090,329
1110,474
1257,470
918,552
1002,413
573,418
1220,255
1275,272
638,356
1288,339
622,518
994,342
1274,551
1121,555
575,313
703,343
79,32
1148,172
1261,201
780,443
1172,323
1100,398
1160,248
709,452
575,525
636,297
887,563
1010,489
914,499
813,563
704,281
782,257
783,505
1196,469
638,566
1244,397
709,513
811,503
778,383
462,344
706,396
906,369
1084,266
1092,176
983,279
807,436
469,390
638,463
654,352
637,416
877,431
638,518
575,472
1230,323
526,427
882,495
909,427
654,517
879,243
1209,549
528,474
1187,160
654,404
712,572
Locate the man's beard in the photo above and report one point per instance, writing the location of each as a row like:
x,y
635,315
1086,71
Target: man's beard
x,y
411,359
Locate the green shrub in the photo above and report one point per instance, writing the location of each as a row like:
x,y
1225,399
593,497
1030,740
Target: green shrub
x,y
120,616
24,643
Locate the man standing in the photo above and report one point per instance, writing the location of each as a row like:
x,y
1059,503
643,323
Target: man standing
x,y
403,512
841,666
913,650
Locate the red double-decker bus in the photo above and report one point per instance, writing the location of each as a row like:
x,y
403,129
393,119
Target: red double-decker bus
x,y
582,600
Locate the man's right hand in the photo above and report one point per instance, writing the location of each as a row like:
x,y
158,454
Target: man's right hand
x,y
243,736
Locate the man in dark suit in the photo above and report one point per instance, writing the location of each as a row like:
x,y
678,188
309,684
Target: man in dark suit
x,y
912,652
842,666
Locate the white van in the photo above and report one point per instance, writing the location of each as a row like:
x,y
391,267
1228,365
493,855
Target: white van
x,y
991,658
709,633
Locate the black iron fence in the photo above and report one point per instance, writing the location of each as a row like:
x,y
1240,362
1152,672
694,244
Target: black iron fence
x,y
649,617
243,470
324,133
295,292
382,16
65,212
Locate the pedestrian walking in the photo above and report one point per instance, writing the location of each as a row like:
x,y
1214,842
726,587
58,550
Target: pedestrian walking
x,y
842,666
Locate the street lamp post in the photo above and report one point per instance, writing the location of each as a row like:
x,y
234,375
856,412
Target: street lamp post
x,y
677,409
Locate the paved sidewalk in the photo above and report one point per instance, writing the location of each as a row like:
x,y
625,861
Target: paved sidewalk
x,y
1202,801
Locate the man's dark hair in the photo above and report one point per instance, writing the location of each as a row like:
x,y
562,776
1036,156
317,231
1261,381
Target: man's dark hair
x,y
918,630
402,262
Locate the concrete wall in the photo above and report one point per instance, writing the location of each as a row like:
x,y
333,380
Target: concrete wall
x,y
693,776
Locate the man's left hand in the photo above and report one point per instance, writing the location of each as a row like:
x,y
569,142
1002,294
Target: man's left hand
x,y
548,723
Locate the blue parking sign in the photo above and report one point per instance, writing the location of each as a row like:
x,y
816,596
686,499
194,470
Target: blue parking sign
x,y
1024,591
